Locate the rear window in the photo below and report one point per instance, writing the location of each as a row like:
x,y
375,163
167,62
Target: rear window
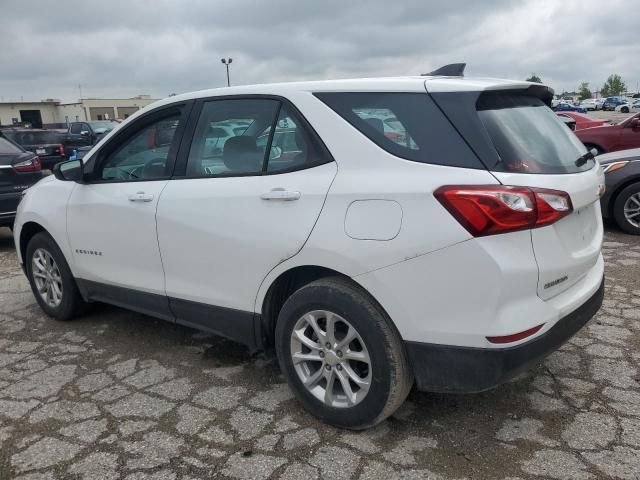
x,y
528,136
8,148
407,125
38,138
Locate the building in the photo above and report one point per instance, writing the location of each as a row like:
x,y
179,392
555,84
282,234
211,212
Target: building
x,y
51,113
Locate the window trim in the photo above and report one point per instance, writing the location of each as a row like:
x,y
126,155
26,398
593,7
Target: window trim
x,y
97,161
180,168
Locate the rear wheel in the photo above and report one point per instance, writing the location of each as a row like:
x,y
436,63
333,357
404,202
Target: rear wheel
x,y
341,355
51,280
626,209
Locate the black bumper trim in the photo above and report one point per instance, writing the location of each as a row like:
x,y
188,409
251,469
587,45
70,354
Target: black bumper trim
x,y
451,369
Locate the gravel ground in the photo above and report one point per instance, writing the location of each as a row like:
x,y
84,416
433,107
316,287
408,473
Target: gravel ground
x,y
117,395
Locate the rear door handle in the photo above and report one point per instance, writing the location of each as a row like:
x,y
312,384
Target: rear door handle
x,y
141,197
281,194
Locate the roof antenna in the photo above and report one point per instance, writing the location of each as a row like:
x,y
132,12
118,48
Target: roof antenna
x,y
451,70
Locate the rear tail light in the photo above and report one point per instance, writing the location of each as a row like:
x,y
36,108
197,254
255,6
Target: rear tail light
x,y
492,209
31,165
61,150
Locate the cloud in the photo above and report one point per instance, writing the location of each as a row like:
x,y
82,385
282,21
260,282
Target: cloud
x,y
124,48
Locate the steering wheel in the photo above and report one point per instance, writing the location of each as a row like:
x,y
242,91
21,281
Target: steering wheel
x,y
153,168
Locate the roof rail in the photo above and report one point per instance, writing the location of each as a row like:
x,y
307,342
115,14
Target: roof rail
x,y
451,70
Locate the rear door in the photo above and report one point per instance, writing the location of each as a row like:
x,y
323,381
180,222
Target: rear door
x,y
237,210
536,150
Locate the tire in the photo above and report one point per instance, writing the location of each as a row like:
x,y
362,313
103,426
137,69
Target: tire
x,y
624,110
629,197
388,372
70,302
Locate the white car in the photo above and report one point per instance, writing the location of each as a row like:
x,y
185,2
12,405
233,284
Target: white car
x,y
455,260
590,104
632,107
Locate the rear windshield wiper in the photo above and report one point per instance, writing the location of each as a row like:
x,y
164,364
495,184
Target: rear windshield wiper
x,y
582,159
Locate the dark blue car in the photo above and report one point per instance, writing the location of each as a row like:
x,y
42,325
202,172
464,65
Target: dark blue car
x,y
612,102
565,107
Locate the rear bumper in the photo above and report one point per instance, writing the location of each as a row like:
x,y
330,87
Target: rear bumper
x,y
444,368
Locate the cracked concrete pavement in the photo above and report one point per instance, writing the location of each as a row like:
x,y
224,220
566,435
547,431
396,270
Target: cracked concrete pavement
x,y
117,395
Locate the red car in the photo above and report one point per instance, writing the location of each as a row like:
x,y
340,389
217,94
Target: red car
x,y
582,121
611,138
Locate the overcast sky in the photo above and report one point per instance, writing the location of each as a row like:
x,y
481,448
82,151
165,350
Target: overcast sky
x,y
121,48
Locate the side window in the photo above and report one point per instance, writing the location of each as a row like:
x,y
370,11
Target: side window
x,y
142,156
406,125
76,128
231,137
293,146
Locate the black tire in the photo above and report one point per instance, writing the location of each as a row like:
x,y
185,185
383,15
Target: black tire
x,y
624,110
391,375
72,303
618,209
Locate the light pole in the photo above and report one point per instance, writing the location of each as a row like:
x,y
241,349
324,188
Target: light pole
x,y
227,62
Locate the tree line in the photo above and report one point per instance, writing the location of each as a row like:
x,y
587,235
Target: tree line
x,y
612,87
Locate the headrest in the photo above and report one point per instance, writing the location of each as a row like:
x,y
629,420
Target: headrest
x,y
241,154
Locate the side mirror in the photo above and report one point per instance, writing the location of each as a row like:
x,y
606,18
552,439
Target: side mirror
x,y
69,171
84,133
634,123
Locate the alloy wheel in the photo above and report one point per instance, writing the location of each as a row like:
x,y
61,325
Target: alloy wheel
x,y
47,278
331,359
632,210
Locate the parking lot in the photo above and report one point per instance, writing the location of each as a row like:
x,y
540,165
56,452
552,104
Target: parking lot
x,y
119,395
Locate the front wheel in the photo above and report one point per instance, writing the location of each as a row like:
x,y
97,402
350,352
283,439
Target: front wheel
x,y
624,110
341,355
626,209
51,280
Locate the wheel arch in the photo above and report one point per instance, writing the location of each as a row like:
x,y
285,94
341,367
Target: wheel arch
x,y
27,232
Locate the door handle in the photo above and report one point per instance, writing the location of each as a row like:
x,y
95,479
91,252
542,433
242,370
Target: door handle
x,y
281,194
141,197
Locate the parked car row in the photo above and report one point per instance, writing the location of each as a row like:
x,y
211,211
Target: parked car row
x,y
55,145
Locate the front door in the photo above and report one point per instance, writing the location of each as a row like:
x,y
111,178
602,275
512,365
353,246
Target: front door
x,y
630,136
243,206
111,219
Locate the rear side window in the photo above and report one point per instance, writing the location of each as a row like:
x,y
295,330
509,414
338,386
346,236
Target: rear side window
x,y
528,136
407,125
8,148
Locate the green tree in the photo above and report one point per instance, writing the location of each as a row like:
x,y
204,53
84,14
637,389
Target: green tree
x,y
534,78
584,91
613,86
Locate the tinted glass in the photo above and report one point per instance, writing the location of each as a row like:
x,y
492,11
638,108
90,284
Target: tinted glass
x,y
8,148
144,155
76,128
528,136
38,138
292,146
225,141
407,125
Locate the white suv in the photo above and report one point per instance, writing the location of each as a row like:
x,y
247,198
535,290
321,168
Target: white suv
x,y
454,251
